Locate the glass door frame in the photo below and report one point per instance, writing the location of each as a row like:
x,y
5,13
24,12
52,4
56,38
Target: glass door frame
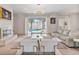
x,y
27,25
42,20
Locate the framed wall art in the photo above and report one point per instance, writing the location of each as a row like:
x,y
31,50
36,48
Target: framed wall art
x,y
6,14
52,20
0,12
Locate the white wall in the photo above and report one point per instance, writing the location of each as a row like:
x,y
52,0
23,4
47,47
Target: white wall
x,y
5,24
19,23
52,27
62,19
72,21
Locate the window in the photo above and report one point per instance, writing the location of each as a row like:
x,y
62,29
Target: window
x,y
37,26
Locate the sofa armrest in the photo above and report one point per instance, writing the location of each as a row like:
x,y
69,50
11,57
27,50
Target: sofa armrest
x,y
20,50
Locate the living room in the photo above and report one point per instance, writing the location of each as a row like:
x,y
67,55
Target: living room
x,y
39,29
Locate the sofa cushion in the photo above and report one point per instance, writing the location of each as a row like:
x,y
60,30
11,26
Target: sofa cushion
x,y
66,32
74,34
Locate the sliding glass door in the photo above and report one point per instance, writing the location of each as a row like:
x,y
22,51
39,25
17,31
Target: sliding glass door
x,y
36,27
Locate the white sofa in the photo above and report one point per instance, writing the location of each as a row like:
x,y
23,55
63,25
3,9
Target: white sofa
x,y
29,45
69,40
67,37
62,49
11,46
49,44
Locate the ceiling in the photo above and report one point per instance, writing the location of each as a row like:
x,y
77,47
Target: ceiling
x,y
44,8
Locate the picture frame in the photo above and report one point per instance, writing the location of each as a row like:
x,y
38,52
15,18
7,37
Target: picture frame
x,y
6,14
52,20
0,12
